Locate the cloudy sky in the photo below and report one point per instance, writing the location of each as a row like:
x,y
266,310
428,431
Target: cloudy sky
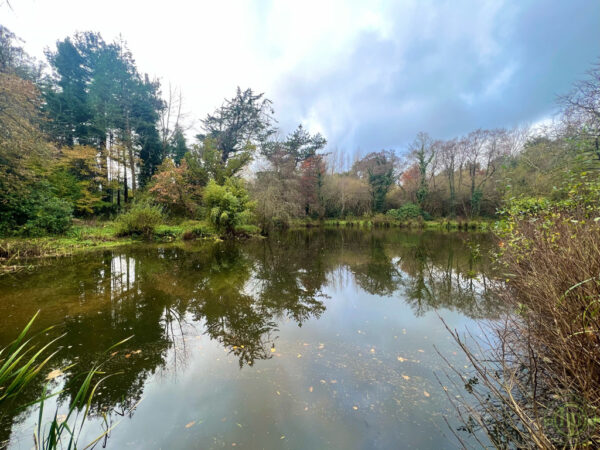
x,y
367,74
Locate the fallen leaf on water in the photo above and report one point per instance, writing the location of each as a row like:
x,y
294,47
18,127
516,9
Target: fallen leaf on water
x,y
299,356
323,381
426,394
114,353
310,389
282,437
239,425
355,407
137,352
401,359
421,351
233,444
128,355
191,424
54,374
306,344
278,393
406,377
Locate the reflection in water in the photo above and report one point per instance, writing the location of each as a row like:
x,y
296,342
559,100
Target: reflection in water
x,y
237,294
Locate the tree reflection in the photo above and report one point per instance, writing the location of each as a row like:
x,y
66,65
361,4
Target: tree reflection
x,y
235,293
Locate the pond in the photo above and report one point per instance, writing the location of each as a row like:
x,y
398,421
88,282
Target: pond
x,y
309,339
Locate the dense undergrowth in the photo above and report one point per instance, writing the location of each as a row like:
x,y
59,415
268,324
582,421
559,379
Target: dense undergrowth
x,y
537,381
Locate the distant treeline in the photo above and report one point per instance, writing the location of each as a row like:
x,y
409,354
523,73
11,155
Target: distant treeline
x,y
84,134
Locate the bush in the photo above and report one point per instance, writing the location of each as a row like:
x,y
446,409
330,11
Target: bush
x,y
141,219
544,372
227,206
51,215
407,211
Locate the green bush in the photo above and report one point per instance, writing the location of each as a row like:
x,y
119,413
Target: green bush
x,y
141,219
407,211
227,206
50,216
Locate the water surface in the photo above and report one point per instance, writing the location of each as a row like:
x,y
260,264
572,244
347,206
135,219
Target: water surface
x,y
311,339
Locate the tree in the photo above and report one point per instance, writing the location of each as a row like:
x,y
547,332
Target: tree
x,y
171,188
447,155
298,146
245,119
177,147
97,97
311,184
346,195
423,150
581,111
78,177
379,169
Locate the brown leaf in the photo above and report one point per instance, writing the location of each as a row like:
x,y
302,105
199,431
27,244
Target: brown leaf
x,y
54,374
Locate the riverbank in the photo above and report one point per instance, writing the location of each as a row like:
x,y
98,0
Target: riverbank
x,y
97,235
85,236
386,222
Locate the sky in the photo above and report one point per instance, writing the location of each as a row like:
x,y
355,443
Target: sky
x,y
368,75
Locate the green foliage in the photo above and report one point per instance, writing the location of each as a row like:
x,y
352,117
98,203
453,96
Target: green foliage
x,y
141,219
48,214
407,211
205,162
244,119
36,213
228,206
21,362
247,229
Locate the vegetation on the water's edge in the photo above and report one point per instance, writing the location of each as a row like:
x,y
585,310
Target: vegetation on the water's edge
x,y
103,234
24,361
381,221
94,139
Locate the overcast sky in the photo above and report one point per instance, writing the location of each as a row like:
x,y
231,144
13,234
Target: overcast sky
x,y
367,74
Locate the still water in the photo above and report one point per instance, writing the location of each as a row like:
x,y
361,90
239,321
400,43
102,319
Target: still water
x,y
311,339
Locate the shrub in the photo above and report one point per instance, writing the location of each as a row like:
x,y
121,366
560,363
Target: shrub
x,y
227,206
407,211
544,371
141,219
51,215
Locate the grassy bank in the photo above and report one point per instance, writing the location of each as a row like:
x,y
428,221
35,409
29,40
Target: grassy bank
x,y
82,236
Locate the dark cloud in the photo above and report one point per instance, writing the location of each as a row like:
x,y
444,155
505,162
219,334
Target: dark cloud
x,y
446,68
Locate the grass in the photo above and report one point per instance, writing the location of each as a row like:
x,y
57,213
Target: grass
x,y
23,360
94,235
